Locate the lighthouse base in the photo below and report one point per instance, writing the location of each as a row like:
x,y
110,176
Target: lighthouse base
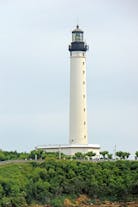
x,y
71,149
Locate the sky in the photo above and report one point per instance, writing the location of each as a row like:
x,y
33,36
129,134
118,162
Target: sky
x,y
34,72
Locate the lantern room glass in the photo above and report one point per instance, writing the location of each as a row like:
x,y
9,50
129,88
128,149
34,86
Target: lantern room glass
x,y
77,37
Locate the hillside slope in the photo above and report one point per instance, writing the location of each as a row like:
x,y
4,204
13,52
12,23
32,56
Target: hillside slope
x,y
52,181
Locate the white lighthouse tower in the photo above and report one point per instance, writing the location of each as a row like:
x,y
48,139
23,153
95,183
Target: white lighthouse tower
x,y
78,108
78,137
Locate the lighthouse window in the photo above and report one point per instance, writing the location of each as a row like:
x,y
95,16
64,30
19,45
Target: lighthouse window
x,y
83,63
84,109
83,71
77,36
84,137
83,82
83,95
84,122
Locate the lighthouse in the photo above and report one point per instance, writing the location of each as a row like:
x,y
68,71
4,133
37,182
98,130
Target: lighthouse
x,y
78,136
78,104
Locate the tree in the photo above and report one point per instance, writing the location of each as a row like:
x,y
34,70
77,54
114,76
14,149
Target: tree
x,y
127,154
119,154
104,154
90,154
110,156
23,156
122,155
39,154
2,156
136,153
79,155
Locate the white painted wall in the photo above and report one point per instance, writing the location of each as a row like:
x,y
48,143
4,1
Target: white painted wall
x,y
78,108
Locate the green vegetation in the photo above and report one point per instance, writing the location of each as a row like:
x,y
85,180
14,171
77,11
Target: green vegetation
x,y
52,181
41,155
33,155
122,155
136,155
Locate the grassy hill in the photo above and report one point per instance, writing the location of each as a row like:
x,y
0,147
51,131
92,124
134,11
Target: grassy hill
x,y
53,181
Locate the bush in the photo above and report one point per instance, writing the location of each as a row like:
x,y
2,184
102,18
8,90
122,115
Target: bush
x,y
57,202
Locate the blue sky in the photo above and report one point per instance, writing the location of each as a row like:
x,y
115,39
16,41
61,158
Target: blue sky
x,y
34,72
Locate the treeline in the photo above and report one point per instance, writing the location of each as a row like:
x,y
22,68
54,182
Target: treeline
x,y
41,154
53,180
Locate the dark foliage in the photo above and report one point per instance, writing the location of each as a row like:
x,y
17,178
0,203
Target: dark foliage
x,y
27,183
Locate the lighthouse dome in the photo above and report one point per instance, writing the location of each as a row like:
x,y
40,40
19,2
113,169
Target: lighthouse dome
x,y
77,29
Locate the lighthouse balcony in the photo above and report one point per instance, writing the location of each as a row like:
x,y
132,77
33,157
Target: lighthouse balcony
x,y
78,46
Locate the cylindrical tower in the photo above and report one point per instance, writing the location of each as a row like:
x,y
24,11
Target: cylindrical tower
x,y
78,107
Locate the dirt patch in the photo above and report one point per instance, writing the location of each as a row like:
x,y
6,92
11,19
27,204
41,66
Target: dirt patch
x,y
110,204
104,204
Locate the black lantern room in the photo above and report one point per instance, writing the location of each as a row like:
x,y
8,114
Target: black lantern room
x,y
77,43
